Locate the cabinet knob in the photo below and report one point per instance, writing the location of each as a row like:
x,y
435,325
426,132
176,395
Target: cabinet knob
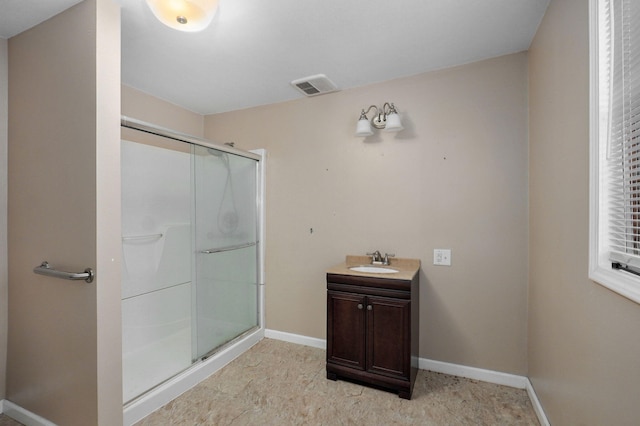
x,y
369,307
359,305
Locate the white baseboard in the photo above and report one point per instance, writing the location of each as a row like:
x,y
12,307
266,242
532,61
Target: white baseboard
x,y
489,376
474,373
537,407
23,416
296,338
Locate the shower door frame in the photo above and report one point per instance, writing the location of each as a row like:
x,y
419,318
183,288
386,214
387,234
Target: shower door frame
x,y
200,370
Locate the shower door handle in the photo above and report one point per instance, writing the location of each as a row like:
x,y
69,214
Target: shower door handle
x,y
46,269
228,248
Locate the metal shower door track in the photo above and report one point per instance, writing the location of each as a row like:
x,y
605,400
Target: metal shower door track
x,y
143,126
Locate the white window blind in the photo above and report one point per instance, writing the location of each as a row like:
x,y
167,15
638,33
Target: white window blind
x,y
619,46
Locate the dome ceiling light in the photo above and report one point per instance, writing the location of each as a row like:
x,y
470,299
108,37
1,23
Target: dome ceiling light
x,y
184,15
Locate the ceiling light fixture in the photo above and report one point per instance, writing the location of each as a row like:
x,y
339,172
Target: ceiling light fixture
x,y
184,15
386,118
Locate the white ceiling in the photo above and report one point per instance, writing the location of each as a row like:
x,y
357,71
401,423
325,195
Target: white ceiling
x,y
255,48
19,15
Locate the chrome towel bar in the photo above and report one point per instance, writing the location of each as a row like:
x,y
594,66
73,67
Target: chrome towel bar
x,y
46,269
228,248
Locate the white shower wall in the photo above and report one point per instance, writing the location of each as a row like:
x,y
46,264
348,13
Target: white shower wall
x,y
156,268
156,342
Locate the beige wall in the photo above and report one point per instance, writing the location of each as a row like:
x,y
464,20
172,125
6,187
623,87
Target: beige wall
x,y
64,337
141,106
4,306
454,178
583,338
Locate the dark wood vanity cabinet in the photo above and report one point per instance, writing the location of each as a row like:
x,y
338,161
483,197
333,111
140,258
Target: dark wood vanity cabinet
x,y
372,331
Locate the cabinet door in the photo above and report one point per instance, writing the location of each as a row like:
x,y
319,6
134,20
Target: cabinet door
x,y
345,329
388,336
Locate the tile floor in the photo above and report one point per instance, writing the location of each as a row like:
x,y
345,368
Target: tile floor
x,y
7,421
279,383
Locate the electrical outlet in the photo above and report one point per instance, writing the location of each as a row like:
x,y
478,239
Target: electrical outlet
x,y
442,257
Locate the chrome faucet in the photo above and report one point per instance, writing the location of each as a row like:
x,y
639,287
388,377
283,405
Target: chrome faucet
x,y
376,258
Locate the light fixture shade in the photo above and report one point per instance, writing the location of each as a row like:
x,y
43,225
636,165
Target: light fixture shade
x,y
393,123
364,128
184,15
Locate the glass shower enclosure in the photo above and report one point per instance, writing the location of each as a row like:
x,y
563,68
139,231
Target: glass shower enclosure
x,y
190,246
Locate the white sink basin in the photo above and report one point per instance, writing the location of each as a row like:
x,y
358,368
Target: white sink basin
x,y
374,269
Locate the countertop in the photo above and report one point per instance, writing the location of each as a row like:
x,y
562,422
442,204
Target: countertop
x,y
407,268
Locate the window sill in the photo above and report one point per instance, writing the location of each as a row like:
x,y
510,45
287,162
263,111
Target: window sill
x,y
622,282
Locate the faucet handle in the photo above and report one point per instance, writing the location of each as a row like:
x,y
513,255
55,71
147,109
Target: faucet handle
x,y
385,261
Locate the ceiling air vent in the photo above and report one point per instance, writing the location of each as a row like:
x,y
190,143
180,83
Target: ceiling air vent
x,y
314,85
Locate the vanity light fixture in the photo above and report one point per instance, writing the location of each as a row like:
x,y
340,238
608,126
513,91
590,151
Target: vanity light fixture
x,y
386,118
184,15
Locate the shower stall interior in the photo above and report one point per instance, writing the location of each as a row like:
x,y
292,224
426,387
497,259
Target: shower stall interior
x,y
191,250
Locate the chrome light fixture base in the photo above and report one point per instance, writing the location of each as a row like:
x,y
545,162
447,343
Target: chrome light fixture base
x,y
379,121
